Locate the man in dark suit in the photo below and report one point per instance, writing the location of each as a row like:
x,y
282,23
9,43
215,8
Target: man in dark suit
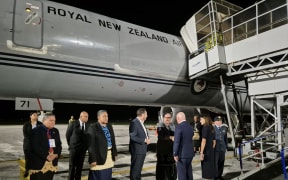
x,y
45,149
77,140
183,147
27,130
102,148
139,140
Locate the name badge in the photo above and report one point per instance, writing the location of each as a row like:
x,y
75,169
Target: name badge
x,y
52,143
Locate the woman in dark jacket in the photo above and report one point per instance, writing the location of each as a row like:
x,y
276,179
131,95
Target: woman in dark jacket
x,y
207,148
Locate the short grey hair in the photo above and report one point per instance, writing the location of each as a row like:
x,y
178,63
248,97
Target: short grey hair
x,y
141,111
47,115
100,112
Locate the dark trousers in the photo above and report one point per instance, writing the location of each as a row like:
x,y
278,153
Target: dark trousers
x,y
40,176
76,159
219,163
105,174
166,166
26,163
137,161
26,142
184,169
166,172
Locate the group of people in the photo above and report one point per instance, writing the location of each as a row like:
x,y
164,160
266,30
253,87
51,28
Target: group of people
x,y
175,149
207,137
99,139
42,146
214,144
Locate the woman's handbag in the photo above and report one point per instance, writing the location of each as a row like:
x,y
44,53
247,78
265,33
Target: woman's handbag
x,y
196,135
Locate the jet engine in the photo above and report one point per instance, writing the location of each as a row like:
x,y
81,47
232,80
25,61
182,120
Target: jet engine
x,y
198,86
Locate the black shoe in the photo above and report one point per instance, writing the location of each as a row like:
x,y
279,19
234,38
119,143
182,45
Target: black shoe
x,y
26,174
219,178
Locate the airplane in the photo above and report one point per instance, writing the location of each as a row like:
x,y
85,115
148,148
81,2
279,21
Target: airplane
x,y
54,51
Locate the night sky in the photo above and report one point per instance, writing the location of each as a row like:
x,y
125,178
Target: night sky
x,y
167,16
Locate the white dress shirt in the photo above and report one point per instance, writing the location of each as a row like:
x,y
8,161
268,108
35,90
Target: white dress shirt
x,y
145,130
81,124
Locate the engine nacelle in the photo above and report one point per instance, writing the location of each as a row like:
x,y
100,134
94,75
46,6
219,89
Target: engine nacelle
x,y
198,86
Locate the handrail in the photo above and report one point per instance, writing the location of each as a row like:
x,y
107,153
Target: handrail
x,y
261,148
283,162
256,18
260,137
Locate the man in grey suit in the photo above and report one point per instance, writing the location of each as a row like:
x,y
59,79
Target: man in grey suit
x,y
183,150
139,140
77,140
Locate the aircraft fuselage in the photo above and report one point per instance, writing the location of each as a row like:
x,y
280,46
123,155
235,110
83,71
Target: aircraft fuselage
x,y
50,50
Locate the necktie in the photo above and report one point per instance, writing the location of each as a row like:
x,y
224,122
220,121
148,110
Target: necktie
x,y
49,137
83,126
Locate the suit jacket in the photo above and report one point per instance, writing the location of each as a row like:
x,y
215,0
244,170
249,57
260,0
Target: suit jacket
x,y
164,143
40,147
221,138
27,130
98,145
183,144
198,127
137,135
76,139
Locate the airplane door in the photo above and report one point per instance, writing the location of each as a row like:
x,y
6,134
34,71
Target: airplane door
x,y
27,25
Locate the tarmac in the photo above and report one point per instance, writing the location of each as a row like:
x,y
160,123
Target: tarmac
x,y
11,151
